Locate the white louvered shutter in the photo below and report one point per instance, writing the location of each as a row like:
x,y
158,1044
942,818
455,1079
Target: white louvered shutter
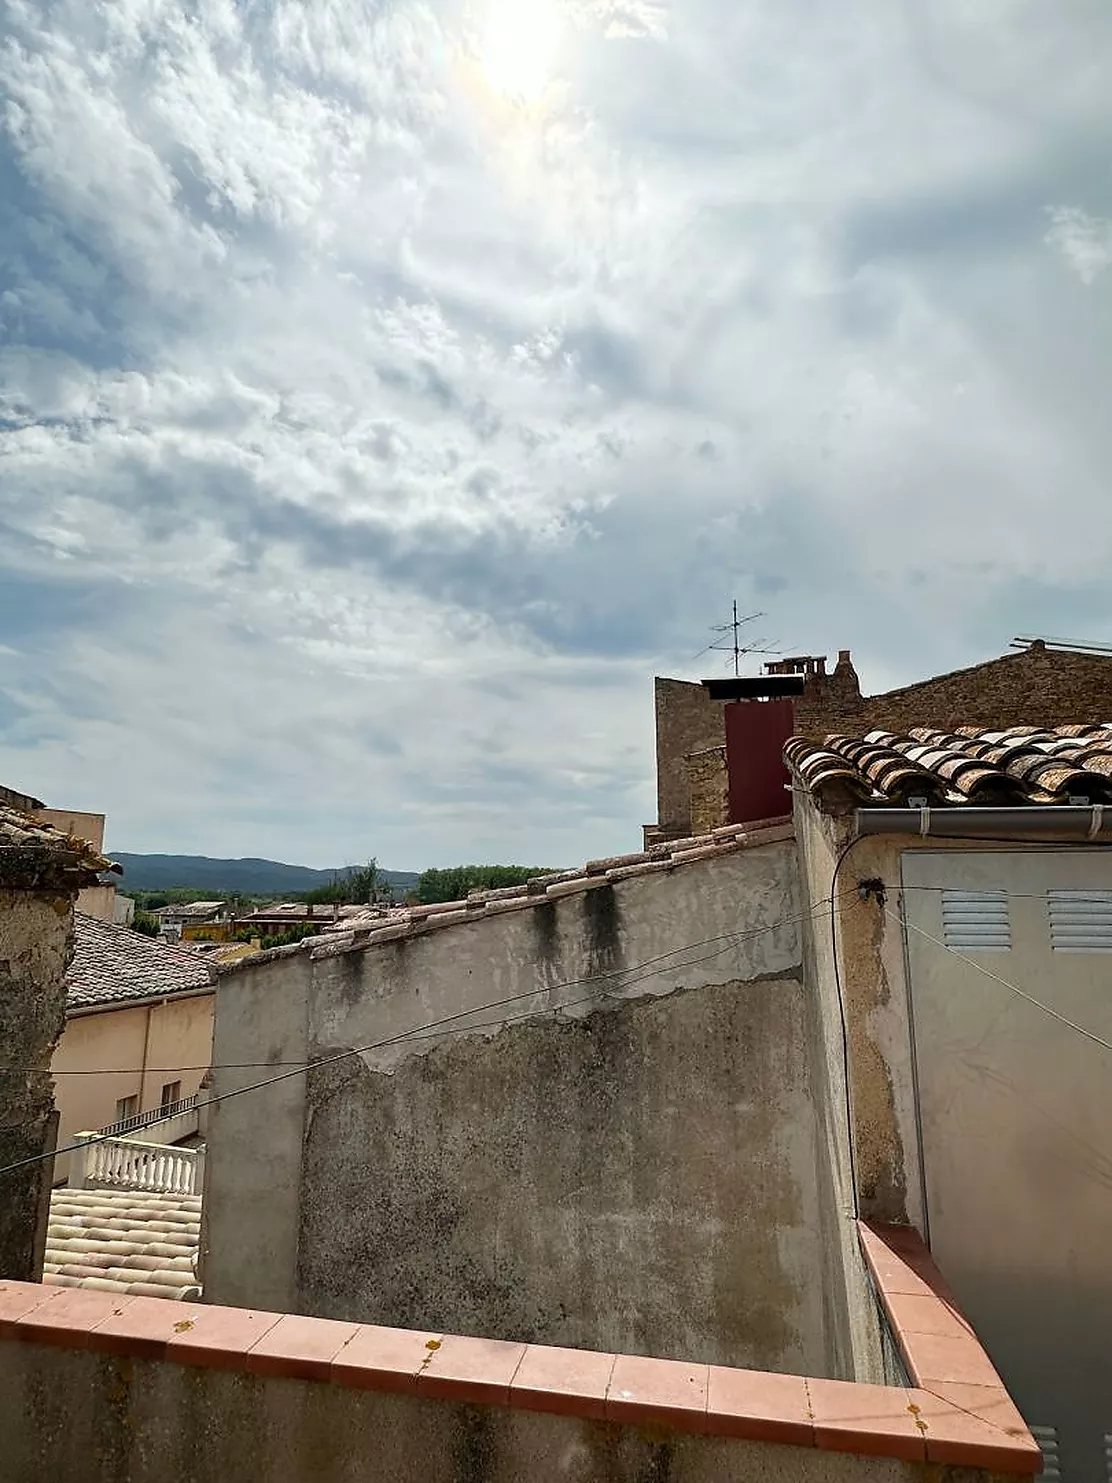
x,y
976,921
1080,921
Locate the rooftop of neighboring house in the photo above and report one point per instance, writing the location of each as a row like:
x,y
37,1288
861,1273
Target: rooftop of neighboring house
x,y
12,798
299,911
112,965
28,847
189,910
124,1241
1016,765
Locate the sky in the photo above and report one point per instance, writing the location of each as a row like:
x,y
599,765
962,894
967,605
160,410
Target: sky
x,y
389,389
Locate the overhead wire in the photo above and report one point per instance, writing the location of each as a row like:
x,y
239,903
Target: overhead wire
x,y
997,978
626,974
434,1026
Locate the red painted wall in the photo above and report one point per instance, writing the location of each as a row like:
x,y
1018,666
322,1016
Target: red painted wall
x,y
756,731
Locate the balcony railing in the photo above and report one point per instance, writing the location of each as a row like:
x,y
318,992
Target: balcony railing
x,y
153,1115
125,1163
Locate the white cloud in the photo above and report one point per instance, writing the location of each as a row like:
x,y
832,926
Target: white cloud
x,y
1084,241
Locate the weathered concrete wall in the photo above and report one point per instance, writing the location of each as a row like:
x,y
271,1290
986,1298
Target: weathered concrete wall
x,y
36,945
73,1416
638,1173
253,1168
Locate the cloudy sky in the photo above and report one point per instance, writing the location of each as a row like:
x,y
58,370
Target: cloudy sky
x,y
388,389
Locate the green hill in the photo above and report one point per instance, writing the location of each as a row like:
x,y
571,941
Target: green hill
x,y
216,878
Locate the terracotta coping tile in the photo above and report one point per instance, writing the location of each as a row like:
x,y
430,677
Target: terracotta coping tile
x,y
469,1369
660,1390
990,1403
913,1314
17,1299
218,1338
958,1358
141,1326
875,1420
68,1318
300,1348
572,1382
759,1405
379,1358
974,1420
958,1436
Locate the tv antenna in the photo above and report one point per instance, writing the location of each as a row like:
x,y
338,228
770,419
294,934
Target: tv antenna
x,y
731,639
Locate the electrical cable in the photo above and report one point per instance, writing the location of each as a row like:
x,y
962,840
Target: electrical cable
x,y
422,1031
844,1020
729,938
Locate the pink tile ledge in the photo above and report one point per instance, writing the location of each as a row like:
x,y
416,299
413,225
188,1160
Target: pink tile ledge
x,y
962,1424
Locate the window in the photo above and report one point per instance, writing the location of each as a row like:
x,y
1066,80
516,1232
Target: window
x,y
171,1093
976,921
126,1107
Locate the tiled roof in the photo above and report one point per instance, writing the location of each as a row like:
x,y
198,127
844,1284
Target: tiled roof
x,y
19,831
113,964
124,1241
187,909
1019,765
373,926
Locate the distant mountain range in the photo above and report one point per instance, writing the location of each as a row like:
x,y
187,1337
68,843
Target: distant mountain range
x,y
233,877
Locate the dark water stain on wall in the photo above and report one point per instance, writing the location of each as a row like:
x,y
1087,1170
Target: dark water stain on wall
x,y
600,917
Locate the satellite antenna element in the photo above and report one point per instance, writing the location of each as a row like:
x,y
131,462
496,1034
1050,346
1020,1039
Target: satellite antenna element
x,y
731,639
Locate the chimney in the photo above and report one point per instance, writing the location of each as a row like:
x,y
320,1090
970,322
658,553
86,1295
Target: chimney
x,y
759,718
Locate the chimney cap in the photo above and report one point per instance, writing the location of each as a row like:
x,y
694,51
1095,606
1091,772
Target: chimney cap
x,y
754,687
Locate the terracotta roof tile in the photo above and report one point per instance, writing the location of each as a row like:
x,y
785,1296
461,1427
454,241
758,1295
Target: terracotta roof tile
x,y
19,831
113,964
123,1241
1016,765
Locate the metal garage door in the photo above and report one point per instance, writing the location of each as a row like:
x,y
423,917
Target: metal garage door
x,y
1016,1121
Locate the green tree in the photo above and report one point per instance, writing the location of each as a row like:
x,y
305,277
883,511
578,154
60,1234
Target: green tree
x,y
146,924
357,886
454,882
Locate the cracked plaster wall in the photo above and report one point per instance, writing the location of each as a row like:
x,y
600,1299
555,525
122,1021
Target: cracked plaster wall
x,y
636,1173
36,945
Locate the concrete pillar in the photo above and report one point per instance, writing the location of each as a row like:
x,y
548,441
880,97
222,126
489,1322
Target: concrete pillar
x,y
41,872
36,944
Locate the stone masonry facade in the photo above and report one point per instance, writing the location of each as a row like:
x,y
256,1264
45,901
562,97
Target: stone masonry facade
x,y
1036,686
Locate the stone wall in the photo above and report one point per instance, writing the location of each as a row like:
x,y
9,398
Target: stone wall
x,y
708,784
36,945
687,720
1032,687
638,1173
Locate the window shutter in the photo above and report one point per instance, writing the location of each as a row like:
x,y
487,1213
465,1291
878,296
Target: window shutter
x,y
976,921
1080,921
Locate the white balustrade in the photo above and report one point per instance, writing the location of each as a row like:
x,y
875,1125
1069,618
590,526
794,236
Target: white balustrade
x,y
125,1163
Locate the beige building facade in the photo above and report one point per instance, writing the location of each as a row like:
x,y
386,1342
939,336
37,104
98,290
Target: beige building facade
x,y
138,1034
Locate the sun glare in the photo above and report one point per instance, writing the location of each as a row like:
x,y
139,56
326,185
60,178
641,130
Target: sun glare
x,y
518,44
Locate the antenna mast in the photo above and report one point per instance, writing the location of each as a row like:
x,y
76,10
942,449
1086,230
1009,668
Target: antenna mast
x,y
731,633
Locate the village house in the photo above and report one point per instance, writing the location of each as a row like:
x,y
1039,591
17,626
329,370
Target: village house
x,y
1042,684
139,1013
